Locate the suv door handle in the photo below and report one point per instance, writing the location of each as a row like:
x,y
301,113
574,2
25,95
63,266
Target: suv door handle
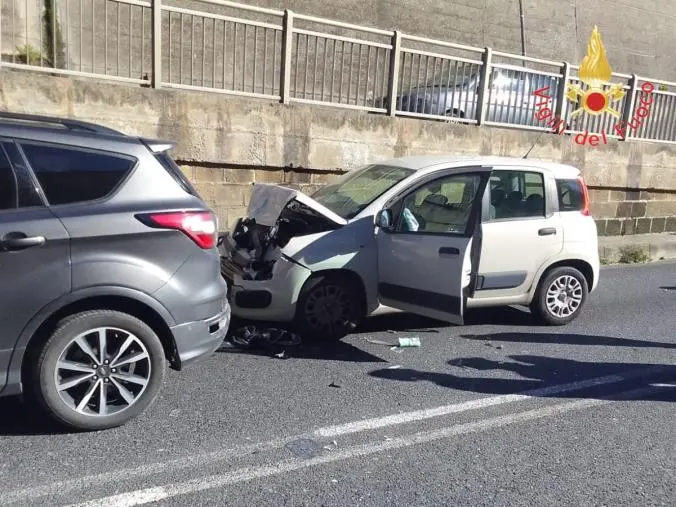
x,y
18,241
547,231
449,250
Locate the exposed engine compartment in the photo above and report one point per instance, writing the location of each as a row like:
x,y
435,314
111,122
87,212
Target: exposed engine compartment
x,y
252,249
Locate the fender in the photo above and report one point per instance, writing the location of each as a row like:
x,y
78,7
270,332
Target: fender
x,y
38,319
567,255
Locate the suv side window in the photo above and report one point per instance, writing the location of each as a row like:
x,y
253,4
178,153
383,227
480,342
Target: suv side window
x,y
8,184
70,175
440,206
517,194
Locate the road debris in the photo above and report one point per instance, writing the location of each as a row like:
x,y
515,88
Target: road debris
x,y
333,384
262,337
379,342
412,341
281,355
402,342
394,367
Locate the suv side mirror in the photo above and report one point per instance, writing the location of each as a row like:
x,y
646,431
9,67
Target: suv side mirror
x,y
384,219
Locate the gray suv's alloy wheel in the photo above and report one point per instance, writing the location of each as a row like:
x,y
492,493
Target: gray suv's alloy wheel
x,y
99,369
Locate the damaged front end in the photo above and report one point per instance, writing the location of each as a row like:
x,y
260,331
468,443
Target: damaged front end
x,y
275,216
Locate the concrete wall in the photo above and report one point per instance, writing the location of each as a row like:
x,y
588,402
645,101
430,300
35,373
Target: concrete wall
x,y
227,143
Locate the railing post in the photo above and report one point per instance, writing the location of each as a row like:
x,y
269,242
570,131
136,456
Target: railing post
x,y
560,108
394,74
287,45
629,104
156,35
484,78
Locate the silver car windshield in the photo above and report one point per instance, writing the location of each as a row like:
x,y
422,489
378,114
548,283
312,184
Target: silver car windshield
x,y
355,190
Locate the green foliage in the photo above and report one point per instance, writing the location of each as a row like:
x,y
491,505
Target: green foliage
x,y
633,255
29,55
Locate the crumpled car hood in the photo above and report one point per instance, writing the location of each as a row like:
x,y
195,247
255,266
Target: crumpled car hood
x,y
268,201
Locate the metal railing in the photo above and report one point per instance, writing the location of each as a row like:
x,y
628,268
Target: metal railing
x,y
231,48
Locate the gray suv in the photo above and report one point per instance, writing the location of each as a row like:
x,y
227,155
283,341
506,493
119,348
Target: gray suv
x,y
108,266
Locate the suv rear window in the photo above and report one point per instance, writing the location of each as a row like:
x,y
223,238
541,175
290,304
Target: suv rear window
x,y
571,195
176,173
70,175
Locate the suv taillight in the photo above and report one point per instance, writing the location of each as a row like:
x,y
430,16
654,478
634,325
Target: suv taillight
x,y
200,226
585,197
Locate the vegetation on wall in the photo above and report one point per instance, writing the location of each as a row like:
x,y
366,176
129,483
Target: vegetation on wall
x,y
53,45
29,55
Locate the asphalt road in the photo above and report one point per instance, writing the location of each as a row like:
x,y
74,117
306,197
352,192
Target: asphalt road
x,y
497,412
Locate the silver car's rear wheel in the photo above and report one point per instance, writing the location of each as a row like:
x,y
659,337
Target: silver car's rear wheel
x,y
103,371
564,296
99,369
561,294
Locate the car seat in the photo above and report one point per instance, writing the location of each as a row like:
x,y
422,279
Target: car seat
x,y
535,205
513,202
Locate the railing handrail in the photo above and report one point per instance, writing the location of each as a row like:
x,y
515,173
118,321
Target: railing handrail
x,y
244,7
341,24
138,3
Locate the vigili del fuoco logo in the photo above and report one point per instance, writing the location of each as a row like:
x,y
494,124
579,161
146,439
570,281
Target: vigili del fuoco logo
x,y
601,96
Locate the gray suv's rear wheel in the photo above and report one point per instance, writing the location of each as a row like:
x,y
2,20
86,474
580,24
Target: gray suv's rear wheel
x,y
560,296
99,369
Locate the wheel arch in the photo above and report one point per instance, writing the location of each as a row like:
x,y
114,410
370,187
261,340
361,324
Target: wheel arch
x,y
455,112
353,277
581,265
44,323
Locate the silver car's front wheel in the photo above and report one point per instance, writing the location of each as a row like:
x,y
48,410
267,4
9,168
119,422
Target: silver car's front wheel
x,y
99,369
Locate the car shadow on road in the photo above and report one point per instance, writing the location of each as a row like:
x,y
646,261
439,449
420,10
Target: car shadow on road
x,y
306,349
19,418
536,375
327,351
568,339
400,321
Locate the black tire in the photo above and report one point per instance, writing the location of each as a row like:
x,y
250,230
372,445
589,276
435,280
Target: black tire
x,y
575,298
45,375
340,320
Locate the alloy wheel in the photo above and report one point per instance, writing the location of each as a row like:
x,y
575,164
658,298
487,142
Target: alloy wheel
x,y
328,307
102,372
564,296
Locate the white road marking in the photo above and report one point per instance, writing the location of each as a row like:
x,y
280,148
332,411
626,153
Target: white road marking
x,y
419,415
155,494
64,487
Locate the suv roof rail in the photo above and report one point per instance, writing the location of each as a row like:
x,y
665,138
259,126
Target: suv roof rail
x,y
66,122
